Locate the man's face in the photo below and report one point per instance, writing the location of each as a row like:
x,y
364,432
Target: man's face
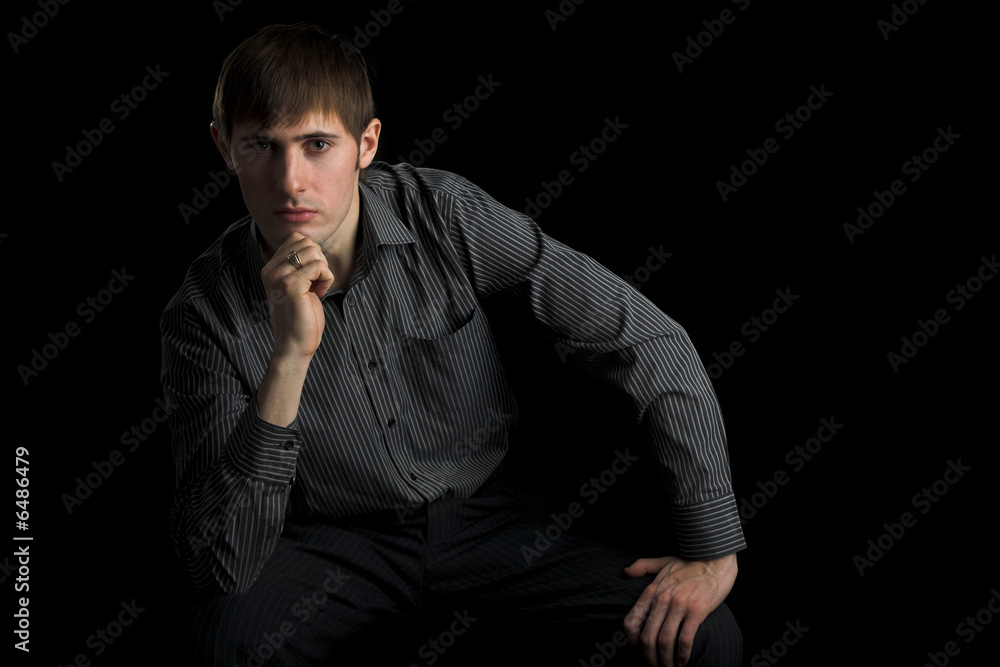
x,y
301,177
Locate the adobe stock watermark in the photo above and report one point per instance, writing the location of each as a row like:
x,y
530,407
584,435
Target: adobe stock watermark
x,y
779,649
362,36
122,106
967,629
638,278
23,585
30,25
454,116
7,569
900,14
914,168
201,197
435,647
223,7
591,491
923,500
464,448
303,609
787,125
562,12
581,158
714,28
797,457
103,637
131,440
962,293
641,274
214,523
752,329
60,340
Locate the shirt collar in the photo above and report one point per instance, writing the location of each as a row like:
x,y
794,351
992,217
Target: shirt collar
x,y
382,226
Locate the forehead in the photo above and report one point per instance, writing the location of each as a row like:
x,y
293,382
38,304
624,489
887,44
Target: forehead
x,y
314,123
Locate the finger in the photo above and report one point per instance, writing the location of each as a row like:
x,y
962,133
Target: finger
x,y
321,276
306,250
310,255
667,640
290,241
313,276
283,249
644,566
295,242
685,638
653,634
636,617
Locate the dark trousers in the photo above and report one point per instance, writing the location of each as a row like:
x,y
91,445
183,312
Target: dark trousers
x,y
483,580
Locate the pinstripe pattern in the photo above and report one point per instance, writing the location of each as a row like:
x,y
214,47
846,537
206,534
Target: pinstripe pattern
x,y
405,401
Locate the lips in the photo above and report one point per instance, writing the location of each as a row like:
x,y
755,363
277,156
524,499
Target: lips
x,y
296,214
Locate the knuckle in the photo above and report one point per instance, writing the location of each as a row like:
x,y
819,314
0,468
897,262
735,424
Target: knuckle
x,y
632,623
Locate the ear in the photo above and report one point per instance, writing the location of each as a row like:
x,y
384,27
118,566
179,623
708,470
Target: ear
x,y
223,148
369,143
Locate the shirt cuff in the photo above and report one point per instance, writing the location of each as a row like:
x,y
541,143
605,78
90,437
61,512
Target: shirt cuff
x,y
263,450
708,530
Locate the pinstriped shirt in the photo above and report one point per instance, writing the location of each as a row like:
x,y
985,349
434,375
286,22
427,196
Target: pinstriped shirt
x,y
405,400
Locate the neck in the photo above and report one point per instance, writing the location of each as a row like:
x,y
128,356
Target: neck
x,y
341,249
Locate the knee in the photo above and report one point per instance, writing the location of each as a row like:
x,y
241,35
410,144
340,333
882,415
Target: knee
x,y
718,641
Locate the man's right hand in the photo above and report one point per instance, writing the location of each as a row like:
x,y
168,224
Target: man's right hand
x,y
297,317
293,297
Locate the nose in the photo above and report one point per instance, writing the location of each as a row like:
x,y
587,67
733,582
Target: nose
x,y
291,176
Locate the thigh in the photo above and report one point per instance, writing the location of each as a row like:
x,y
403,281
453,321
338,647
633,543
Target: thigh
x,y
519,559
319,594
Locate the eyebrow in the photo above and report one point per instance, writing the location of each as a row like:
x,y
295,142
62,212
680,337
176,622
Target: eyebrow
x,y
302,137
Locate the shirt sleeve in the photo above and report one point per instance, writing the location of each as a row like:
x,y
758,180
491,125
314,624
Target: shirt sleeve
x,y
620,337
233,470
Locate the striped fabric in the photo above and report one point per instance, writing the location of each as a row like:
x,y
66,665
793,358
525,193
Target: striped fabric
x,y
405,401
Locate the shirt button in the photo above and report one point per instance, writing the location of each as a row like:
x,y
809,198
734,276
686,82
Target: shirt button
x,y
391,422
372,364
288,445
413,476
350,301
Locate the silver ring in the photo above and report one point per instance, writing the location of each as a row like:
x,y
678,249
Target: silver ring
x,y
293,257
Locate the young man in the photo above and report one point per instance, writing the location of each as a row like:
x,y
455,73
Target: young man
x,y
340,416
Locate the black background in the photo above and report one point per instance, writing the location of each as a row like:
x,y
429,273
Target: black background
x,y
826,357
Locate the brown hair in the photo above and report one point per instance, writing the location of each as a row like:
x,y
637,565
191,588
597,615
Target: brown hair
x,y
286,71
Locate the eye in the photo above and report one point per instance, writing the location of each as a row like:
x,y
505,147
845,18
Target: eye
x,y
319,144
259,145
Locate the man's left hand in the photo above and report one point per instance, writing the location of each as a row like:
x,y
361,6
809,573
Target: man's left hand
x,y
681,596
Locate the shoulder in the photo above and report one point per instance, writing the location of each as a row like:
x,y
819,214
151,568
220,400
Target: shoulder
x,y
384,179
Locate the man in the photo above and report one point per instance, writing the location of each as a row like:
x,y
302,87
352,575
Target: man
x,y
340,418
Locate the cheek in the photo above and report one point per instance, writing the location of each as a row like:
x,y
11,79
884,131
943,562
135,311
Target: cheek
x,y
340,177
